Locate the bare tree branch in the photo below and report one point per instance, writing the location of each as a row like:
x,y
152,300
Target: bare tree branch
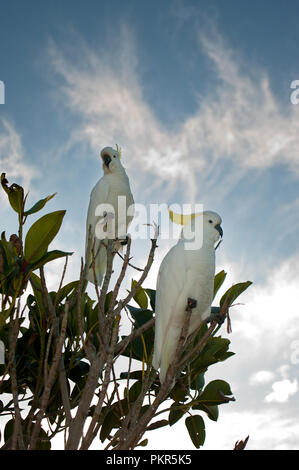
x,y
241,444
50,380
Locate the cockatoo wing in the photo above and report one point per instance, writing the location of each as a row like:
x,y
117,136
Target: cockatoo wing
x,y
99,195
182,275
170,290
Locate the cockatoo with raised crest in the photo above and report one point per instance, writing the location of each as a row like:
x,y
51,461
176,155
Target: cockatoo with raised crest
x,y
184,273
108,213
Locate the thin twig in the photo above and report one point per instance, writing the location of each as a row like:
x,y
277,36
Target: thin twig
x,y
133,291
90,354
46,360
129,264
120,277
61,281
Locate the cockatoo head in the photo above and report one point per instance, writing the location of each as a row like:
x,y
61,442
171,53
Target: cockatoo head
x,y
111,160
207,221
212,229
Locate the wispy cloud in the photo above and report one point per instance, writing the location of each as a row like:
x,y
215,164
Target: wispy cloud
x,y
237,126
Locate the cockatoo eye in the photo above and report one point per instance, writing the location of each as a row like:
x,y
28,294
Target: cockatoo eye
x,y
210,221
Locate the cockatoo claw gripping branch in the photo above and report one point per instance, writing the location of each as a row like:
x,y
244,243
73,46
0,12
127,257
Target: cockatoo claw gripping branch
x,y
192,303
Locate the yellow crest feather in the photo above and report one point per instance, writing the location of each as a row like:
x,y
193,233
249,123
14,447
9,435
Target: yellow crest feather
x,y
182,219
118,150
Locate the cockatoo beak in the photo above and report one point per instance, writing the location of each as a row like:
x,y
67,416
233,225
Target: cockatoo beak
x,y
219,229
107,159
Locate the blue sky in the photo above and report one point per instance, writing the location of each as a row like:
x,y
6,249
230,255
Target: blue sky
x,y
197,94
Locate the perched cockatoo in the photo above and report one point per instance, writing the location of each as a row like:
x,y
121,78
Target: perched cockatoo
x,y
108,208
184,273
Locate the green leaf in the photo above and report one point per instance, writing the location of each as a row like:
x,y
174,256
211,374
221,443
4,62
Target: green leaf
x,y
90,314
112,420
143,410
135,374
15,194
233,292
49,256
199,382
134,391
196,429
40,235
140,347
66,290
215,350
107,301
80,370
36,287
217,346
140,297
218,281
43,441
142,443
8,430
140,315
3,317
77,391
203,361
215,393
175,413
226,355
8,254
179,392
152,297
39,205
157,424
212,411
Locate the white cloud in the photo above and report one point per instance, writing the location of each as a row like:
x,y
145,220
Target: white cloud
x,y
12,154
261,377
281,391
12,158
269,308
239,123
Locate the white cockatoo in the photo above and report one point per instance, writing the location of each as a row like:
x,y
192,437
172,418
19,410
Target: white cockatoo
x,y
184,273
110,211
